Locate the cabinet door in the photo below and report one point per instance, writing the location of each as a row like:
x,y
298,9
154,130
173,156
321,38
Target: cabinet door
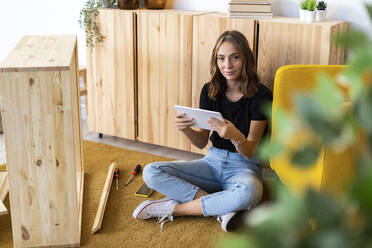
x,y
284,41
207,28
164,75
111,76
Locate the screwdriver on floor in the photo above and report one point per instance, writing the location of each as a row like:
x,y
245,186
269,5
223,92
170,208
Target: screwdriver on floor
x,y
135,172
116,176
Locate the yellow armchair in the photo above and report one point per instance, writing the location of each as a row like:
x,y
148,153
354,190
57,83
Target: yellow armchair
x,y
332,171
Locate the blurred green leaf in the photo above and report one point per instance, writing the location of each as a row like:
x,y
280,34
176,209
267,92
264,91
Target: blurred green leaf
x,y
284,220
361,63
269,149
369,9
329,96
282,122
324,209
352,39
311,114
333,238
363,111
305,156
362,188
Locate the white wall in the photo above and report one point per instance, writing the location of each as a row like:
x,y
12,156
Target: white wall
x,y
42,17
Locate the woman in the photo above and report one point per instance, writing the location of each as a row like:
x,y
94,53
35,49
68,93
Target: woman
x,y
228,178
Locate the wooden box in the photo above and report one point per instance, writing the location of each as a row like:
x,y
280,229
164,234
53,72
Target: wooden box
x,y
41,119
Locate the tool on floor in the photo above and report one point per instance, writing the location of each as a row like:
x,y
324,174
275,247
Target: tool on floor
x,y
135,172
116,176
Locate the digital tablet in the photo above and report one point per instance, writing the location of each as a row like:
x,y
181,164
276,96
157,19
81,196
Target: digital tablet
x,y
200,116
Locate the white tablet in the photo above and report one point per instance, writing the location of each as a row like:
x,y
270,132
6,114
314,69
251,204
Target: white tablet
x,y
200,116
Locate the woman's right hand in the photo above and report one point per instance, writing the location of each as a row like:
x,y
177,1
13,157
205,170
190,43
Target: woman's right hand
x,y
182,122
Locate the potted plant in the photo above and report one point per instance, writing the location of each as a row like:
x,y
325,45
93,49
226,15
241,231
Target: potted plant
x,y
88,20
321,12
302,10
310,10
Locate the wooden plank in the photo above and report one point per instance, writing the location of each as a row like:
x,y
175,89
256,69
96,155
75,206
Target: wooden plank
x,y
4,186
164,74
42,119
284,41
3,209
35,53
102,203
203,43
111,76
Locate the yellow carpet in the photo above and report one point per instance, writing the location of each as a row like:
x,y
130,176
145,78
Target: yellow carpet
x,y
119,228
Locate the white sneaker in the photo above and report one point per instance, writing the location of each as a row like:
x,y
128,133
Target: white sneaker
x,y
161,209
225,220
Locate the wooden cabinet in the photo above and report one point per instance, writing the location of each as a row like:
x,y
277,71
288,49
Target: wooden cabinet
x,y
153,59
111,72
164,74
284,41
41,116
207,28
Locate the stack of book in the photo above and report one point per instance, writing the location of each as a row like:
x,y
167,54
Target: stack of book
x,y
250,9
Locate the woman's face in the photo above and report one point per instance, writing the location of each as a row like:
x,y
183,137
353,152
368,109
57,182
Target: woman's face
x,y
229,61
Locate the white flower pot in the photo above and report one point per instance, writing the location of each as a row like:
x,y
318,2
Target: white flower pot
x,y
309,16
302,15
321,15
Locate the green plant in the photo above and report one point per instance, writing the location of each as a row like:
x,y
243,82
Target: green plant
x,y
88,21
303,4
310,5
321,5
344,221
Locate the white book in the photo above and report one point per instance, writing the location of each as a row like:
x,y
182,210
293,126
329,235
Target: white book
x,y
240,13
250,7
250,1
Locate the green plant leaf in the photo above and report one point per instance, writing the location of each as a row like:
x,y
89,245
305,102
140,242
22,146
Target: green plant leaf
x,y
310,112
369,9
305,156
363,111
352,39
269,149
362,188
329,97
281,121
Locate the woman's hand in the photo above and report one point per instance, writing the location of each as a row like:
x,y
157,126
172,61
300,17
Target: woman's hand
x,y
225,129
183,123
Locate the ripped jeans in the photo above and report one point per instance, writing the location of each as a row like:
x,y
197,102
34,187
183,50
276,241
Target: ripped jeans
x,y
232,181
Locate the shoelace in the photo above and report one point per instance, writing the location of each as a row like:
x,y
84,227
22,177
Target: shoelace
x,y
164,219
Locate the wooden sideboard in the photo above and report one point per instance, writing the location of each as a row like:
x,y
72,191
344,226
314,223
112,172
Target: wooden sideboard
x,y
285,41
111,76
164,51
153,59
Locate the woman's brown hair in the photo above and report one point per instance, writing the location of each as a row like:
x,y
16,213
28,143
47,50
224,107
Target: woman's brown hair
x,y
250,82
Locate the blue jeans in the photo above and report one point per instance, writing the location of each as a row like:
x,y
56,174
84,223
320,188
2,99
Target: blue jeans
x,y
232,181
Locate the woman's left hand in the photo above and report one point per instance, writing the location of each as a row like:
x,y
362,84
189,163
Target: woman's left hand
x,y
225,129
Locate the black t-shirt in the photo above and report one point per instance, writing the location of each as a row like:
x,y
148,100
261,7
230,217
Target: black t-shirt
x,y
240,113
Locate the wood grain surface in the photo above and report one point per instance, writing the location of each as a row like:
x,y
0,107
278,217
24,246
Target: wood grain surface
x,y
284,41
111,76
164,74
41,116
